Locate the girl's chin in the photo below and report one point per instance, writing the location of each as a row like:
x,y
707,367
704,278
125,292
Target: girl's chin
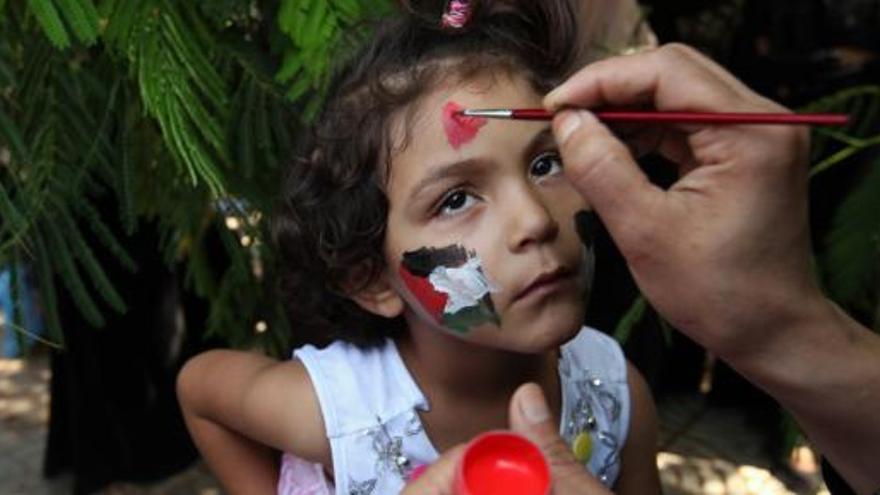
x,y
529,341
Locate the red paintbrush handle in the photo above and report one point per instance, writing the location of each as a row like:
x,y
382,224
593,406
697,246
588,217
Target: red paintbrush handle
x,y
696,117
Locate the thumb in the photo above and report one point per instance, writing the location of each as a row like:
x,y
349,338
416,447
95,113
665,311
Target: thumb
x,y
439,478
603,170
530,416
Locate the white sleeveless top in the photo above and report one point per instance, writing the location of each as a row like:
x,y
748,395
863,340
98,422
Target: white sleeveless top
x,y
370,405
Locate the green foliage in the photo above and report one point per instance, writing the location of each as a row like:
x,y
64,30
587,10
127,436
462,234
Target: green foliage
x,y
81,16
633,315
173,114
862,104
57,152
850,260
320,31
50,20
168,52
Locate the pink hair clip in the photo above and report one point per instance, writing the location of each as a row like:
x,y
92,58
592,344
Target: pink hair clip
x,y
457,14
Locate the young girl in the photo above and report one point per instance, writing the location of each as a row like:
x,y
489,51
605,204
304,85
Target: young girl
x,y
437,261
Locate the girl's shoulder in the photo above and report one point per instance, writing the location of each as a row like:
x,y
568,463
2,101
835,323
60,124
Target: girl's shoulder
x,y
594,352
595,401
356,385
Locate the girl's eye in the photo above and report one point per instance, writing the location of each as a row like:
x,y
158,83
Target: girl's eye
x,y
456,202
546,164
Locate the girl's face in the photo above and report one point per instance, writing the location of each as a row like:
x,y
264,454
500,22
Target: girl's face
x,y
485,208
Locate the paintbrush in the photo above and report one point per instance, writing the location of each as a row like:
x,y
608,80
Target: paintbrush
x,y
649,117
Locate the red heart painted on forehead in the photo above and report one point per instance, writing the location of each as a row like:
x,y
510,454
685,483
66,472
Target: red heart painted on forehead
x,y
460,129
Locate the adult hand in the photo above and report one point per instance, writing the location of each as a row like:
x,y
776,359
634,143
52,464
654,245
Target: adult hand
x,y
439,477
529,416
723,254
731,235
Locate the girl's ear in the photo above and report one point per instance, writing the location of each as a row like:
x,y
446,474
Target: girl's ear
x,y
379,297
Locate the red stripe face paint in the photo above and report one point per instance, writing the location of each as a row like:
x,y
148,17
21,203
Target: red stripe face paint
x,y
450,285
459,129
431,299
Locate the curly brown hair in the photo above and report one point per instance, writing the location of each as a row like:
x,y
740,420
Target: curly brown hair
x,y
329,226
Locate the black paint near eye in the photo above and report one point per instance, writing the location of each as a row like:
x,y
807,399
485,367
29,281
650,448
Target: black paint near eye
x,y
586,223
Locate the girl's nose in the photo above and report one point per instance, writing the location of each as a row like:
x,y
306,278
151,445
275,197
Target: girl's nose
x,y
529,220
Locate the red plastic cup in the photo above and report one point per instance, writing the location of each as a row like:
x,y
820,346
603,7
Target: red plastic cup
x,y
502,463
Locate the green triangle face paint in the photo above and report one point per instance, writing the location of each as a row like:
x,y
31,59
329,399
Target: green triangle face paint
x,y
451,286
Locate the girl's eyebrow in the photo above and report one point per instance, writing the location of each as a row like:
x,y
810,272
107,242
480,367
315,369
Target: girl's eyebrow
x,y
538,141
442,172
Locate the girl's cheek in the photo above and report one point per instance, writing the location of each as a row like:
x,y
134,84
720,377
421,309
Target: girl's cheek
x,y
451,287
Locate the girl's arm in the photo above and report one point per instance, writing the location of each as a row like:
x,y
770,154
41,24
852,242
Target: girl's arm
x,y
638,473
239,463
241,408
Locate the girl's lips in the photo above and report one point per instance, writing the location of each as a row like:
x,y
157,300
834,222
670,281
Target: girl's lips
x,y
544,283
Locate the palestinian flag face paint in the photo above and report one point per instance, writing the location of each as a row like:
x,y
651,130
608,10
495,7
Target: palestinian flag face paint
x,y
450,285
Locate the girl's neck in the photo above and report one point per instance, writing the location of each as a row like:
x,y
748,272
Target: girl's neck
x,y
468,386
445,366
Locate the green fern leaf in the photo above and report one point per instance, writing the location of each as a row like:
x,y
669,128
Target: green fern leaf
x,y
193,60
853,245
630,319
89,263
181,89
105,236
83,22
12,137
125,180
263,134
832,147
209,129
280,129
106,8
123,23
46,286
350,11
13,221
92,14
174,127
290,67
320,18
320,32
245,135
298,89
59,253
7,73
310,112
867,120
47,16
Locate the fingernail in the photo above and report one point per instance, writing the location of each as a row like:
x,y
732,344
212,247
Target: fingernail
x,y
554,100
570,122
417,472
550,99
533,406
